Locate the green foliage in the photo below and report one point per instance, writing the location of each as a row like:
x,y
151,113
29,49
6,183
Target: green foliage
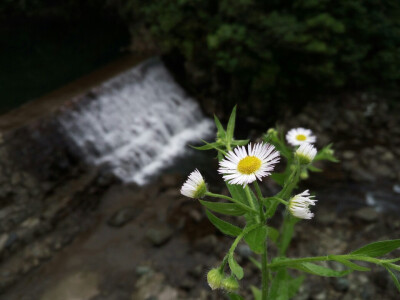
x,y
277,50
378,248
223,226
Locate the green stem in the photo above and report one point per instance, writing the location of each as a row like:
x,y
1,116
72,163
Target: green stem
x,y
264,255
265,272
251,201
245,231
294,261
245,207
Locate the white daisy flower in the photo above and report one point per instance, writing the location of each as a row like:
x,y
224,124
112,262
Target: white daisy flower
x,y
243,167
195,186
299,205
298,136
306,153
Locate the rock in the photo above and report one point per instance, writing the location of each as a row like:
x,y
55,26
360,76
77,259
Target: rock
x,y
171,180
153,287
348,154
78,286
340,284
197,271
368,214
159,236
3,241
206,244
123,216
244,250
143,270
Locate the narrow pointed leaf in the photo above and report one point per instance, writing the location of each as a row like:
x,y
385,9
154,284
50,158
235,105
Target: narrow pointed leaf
x,y
230,209
394,278
350,264
223,226
237,192
319,270
378,248
273,234
235,268
221,131
256,292
279,286
294,285
231,125
240,142
314,169
256,239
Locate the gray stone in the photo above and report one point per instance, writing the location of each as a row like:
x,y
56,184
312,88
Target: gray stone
x,y
244,250
159,236
78,286
368,214
348,154
340,284
123,216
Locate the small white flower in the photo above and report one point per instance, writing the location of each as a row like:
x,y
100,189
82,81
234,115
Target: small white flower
x,y
195,186
299,205
241,166
306,153
298,136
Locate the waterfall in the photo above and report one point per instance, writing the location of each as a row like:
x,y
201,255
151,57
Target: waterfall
x,y
136,123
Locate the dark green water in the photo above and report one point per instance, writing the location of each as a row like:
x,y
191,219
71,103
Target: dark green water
x,y
40,55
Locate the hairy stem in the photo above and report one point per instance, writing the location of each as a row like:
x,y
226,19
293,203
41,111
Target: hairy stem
x,y
245,207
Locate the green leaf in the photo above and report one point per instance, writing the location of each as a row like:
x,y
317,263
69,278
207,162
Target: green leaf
x,y
231,125
223,226
256,292
230,209
378,248
394,278
279,286
294,285
207,146
237,192
273,234
235,268
235,297
256,239
319,270
240,142
221,131
349,264
314,169
279,178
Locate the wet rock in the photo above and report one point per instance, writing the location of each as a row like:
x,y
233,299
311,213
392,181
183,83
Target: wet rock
x,y
123,216
78,286
171,180
159,236
368,214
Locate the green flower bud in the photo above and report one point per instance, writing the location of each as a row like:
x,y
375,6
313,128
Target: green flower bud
x,y
304,175
215,278
230,284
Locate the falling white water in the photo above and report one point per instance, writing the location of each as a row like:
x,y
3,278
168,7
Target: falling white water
x,y
136,123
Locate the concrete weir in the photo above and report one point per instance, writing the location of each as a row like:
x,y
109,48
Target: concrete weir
x,y
123,122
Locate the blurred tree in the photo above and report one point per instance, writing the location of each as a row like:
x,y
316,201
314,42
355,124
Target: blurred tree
x,y
282,50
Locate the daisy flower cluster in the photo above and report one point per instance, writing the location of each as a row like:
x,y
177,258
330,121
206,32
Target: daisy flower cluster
x,y
244,165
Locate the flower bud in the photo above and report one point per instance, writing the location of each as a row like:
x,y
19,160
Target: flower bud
x,y
230,284
215,278
304,174
306,153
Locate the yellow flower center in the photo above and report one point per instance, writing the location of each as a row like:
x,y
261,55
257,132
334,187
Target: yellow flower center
x,y
249,165
301,137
